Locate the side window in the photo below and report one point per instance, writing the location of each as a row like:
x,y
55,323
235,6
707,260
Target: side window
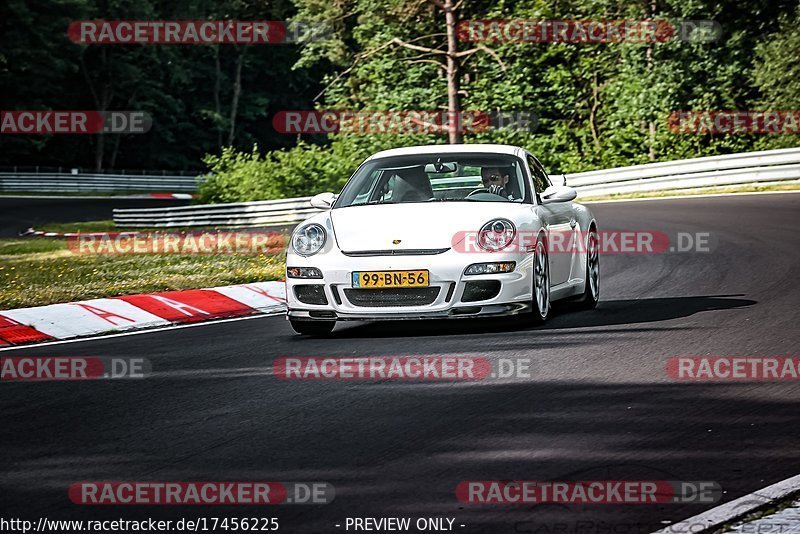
x,y
540,179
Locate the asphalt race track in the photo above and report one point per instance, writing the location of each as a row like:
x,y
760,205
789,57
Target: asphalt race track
x,y
599,404
18,213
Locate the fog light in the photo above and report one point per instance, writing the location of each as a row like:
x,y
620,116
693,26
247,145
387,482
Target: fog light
x,y
311,294
490,268
480,290
303,272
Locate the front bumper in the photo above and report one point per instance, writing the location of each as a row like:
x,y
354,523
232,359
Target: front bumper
x,y
446,272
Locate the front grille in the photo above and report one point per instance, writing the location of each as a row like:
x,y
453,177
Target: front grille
x,y
392,297
398,252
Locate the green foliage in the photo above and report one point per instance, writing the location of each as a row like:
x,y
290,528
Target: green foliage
x,y
187,90
777,76
304,170
599,105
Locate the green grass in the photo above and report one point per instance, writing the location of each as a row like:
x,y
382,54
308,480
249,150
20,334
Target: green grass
x,y
90,226
39,271
108,226
30,245
745,188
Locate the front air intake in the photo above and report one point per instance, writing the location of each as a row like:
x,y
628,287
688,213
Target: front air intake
x,y
311,294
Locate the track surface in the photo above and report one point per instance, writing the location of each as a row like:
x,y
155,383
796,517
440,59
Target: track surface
x,y
17,214
599,405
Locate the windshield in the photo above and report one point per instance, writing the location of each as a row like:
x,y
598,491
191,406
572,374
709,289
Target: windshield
x,y
434,178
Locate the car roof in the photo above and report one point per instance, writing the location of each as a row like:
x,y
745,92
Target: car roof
x,y
449,149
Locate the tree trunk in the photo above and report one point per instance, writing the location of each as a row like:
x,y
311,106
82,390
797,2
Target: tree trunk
x,y
455,135
593,111
102,99
237,92
99,149
217,106
651,126
104,103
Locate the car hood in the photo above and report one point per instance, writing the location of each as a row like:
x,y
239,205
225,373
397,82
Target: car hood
x,y
434,225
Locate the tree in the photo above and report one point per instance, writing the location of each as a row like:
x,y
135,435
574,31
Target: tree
x,y
444,48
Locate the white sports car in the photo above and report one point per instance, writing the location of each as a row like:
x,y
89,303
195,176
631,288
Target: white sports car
x,y
441,231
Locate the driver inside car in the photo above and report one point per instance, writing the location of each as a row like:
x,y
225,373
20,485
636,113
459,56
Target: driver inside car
x,y
495,182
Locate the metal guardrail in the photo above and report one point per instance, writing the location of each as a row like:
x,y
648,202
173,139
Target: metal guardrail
x,y
240,214
99,183
762,167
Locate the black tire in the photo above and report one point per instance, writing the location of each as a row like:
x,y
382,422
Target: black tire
x,y
591,291
313,328
541,282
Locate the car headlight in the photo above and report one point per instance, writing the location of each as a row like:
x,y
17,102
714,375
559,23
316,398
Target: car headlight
x,y
490,268
309,239
496,235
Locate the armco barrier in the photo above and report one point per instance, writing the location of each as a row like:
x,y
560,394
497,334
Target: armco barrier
x,y
30,182
763,167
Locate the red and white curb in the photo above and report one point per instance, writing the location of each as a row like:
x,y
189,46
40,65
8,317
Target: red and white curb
x,y
135,312
180,196
30,232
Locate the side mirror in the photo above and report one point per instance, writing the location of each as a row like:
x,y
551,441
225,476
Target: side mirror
x,y
563,179
323,201
558,193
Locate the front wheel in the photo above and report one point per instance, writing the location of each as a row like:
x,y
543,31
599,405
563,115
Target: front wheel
x,y
591,291
313,328
541,282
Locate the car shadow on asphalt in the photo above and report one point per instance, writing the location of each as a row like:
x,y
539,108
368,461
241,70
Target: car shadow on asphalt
x,y
565,315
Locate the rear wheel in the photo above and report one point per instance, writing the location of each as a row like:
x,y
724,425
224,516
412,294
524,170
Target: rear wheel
x,y
541,282
313,328
591,292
